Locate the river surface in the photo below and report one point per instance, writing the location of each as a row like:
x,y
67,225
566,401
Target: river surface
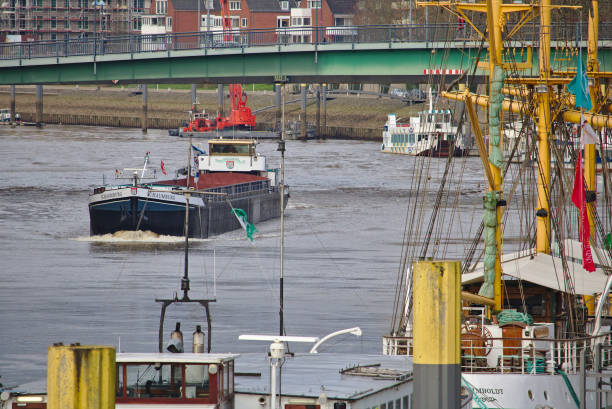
x,y
343,233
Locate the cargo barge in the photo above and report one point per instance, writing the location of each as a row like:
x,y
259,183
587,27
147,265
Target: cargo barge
x,y
231,176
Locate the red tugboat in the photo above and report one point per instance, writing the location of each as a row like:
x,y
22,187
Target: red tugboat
x,y
241,116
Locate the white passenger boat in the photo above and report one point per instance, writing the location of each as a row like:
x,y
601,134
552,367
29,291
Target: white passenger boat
x,y
431,133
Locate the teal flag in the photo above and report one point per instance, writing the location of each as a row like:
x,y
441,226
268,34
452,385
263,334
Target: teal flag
x,y
242,219
580,86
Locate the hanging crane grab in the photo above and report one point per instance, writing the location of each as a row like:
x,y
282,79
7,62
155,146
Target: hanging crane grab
x,y
241,116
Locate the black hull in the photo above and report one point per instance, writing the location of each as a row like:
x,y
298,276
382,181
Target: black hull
x,y
166,218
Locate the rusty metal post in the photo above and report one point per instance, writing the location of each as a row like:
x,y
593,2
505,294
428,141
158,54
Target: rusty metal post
x,y
39,105
303,122
277,89
145,108
13,104
220,99
194,98
324,97
318,120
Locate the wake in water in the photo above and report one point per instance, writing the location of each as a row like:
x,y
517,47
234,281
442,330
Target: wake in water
x,y
124,236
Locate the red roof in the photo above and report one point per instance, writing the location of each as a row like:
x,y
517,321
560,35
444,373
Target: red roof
x,y
216,179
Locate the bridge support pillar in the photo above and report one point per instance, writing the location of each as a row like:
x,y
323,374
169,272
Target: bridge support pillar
x,y
39,105
220,99
318,120
145,108
303,122
324,97
194,98
277,89
12,107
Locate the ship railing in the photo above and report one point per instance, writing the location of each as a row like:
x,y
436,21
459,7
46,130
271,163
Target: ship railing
x,y
519,355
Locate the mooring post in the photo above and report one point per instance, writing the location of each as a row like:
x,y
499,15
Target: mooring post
x,y
12,104
318,120
194,98
145,108
303,122
277,89
220,99
324,96
39,105
437,334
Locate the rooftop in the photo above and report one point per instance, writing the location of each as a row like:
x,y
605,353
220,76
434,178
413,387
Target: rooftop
x,y
341,376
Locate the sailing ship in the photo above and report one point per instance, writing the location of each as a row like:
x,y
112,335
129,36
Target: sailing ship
x,y
536,272
231,176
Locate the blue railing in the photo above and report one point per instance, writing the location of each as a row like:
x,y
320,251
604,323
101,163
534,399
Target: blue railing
x,y
430,35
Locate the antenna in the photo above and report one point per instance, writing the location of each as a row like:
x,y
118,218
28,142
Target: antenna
x,y
277,354
355,331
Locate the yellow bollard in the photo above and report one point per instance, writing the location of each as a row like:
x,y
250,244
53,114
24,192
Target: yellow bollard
x,y
437,334
81,377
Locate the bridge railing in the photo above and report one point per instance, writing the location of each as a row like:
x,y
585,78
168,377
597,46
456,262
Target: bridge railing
x,y
429,35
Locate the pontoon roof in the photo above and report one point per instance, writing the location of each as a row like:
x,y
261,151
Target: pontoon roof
x,y
546,270
176,358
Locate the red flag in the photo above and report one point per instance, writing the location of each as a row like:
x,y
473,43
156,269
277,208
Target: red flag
x,y
163,168
578,198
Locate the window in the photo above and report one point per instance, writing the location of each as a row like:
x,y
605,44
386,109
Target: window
x,y
161,7
234,5
53,36
53,22
282,22
169,23
284,5
66,4
22,21
53,4
314,4
85,22
405,402
243,22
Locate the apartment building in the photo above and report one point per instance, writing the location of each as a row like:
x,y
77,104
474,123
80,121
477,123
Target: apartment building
x,y
69,19
294,20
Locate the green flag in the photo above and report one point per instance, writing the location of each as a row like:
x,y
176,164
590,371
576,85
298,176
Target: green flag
x,y
580,86
242,219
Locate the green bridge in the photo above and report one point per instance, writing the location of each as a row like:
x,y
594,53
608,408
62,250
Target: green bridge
x,y
378,55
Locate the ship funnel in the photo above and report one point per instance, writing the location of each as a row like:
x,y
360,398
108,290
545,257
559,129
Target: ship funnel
x,y
198,340
176,340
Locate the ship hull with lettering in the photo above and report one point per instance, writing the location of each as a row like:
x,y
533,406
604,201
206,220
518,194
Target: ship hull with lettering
x,y
231,177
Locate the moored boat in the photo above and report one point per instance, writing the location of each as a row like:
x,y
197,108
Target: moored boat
x,y
431,133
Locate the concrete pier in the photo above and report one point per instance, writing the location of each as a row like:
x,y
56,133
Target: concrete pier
x,y
303,122
145,108
39,105
437,334
220,99
12,104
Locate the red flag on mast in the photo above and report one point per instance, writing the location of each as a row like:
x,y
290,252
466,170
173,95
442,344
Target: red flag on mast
x,y
163,168
578,198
